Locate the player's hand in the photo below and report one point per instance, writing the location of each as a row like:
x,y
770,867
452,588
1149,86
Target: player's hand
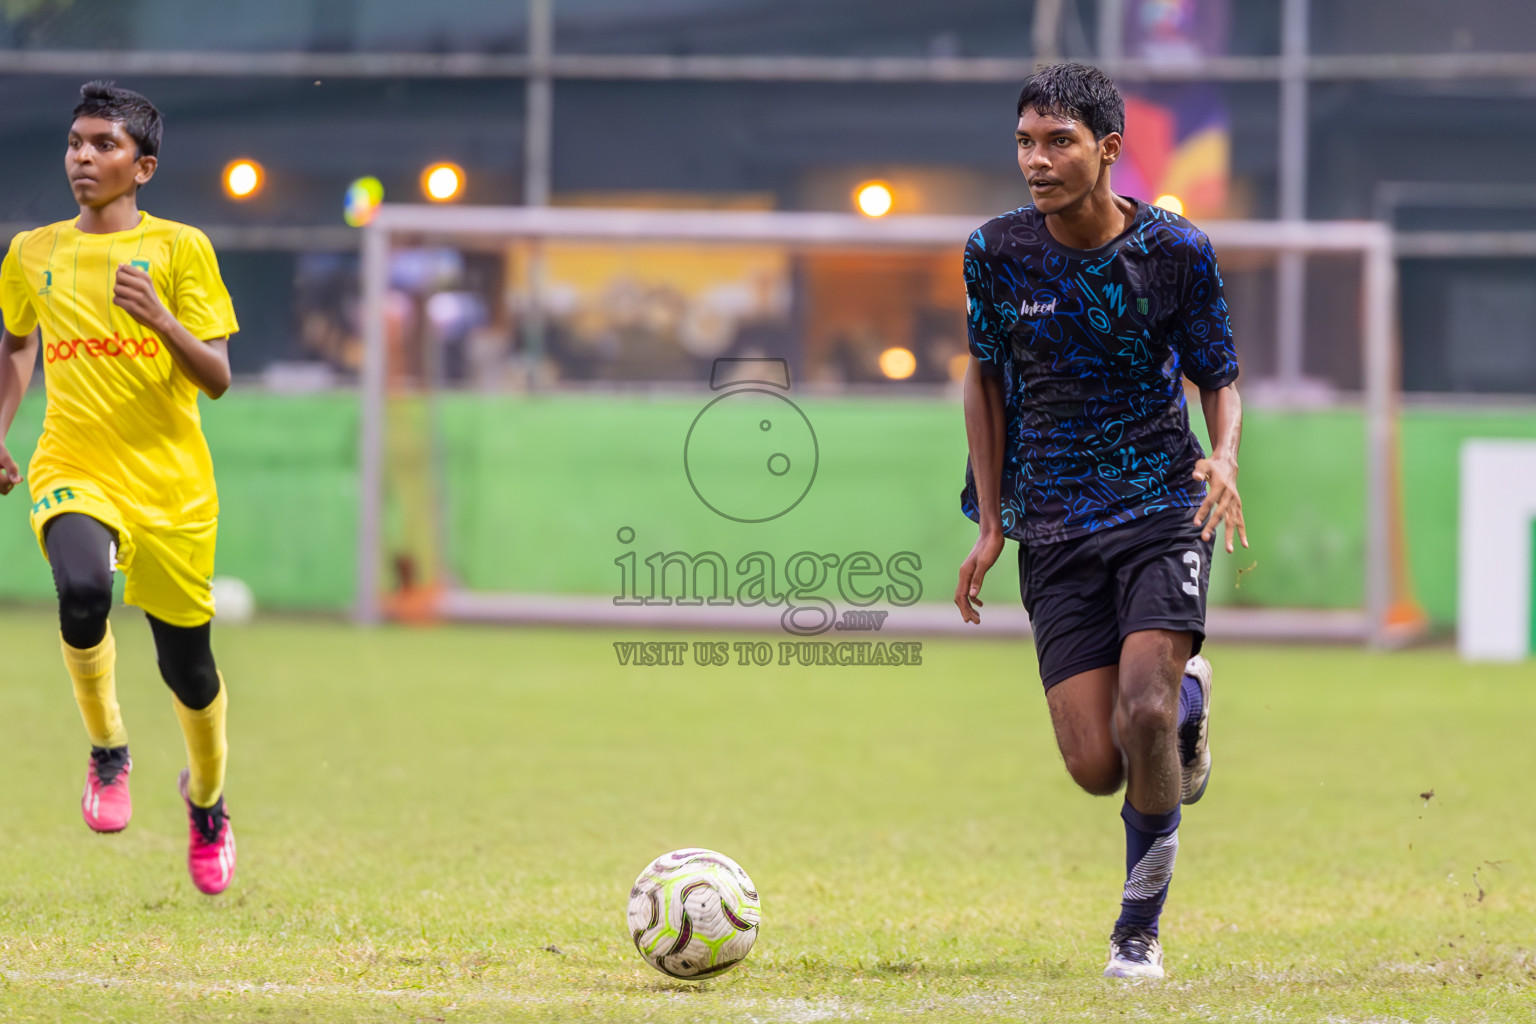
x,y
973,570
10,473
1222,502
134,293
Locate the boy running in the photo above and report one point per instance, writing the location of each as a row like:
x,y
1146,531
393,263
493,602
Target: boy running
x,y
1087,309
132,321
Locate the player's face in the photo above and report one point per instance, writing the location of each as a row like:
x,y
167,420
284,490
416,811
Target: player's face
x,y
103,162
1060,158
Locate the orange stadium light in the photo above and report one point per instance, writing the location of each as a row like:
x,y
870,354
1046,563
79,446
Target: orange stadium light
x,y
898,363
243,178
873,198
1172,203
442,182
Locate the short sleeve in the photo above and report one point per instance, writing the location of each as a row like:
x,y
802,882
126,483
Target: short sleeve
x,y
1202,330
989,316
16,306
200,301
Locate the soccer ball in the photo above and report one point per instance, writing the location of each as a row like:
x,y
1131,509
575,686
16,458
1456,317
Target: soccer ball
x,y
233,602
694,914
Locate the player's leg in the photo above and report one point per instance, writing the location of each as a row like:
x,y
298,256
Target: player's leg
x,y
1071,604
82,553
1082,713
1146,719
1162,570
169,581
185,656
1147,716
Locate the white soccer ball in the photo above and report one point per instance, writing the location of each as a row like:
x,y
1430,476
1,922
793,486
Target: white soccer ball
x,y
694,914
233,602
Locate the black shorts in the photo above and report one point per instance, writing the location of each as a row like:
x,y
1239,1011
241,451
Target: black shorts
x,y
1085,595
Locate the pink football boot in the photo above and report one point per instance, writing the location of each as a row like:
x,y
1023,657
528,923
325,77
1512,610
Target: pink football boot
x,y
210,844
106,804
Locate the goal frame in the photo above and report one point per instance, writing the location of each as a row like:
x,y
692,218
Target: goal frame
x,y
1371,240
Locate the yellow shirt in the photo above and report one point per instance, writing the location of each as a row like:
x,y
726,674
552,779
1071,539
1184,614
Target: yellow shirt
x,y
120,411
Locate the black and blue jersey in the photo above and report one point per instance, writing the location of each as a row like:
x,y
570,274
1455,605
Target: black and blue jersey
x,y
1091,345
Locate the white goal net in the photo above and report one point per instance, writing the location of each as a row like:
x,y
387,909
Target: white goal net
x,y
506,449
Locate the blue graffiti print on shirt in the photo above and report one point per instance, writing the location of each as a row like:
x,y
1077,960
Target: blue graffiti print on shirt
x,y
1092,346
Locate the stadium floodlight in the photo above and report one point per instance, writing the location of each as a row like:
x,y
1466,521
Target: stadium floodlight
x,y
243,178
874,198
898,363
442,182
1381,618
1170,202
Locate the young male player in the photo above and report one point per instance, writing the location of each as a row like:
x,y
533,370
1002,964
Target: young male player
x,y
1086,311
134,321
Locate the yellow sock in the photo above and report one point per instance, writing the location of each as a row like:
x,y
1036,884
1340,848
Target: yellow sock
x,y
92,670
207,748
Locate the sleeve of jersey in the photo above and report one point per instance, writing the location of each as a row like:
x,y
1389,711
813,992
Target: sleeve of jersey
x,y
201,301
15,297
989,316
1204,332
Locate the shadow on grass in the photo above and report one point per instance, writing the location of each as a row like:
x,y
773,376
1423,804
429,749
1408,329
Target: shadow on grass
x,y
808,972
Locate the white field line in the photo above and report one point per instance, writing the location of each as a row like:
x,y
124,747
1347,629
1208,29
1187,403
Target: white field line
x,y
1017,1005
789,1011
83,979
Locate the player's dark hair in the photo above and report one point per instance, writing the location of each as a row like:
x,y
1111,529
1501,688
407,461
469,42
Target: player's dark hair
x,y
136,114
1077,91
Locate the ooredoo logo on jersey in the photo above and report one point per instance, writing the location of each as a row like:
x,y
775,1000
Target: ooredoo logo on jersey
x,y
115,347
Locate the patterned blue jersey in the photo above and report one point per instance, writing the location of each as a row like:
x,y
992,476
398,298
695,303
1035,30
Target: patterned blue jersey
x,y
1091,346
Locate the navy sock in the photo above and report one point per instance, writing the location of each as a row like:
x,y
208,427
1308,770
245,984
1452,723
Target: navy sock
x,y
1191,707
1151,844
1191,701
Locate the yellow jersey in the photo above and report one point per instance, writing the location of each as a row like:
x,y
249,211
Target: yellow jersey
x,y
120,412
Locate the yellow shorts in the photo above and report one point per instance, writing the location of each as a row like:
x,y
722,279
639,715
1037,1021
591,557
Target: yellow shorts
x,y
169,569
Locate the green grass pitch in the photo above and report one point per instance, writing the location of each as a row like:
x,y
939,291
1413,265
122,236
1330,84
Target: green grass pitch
x,y
442,825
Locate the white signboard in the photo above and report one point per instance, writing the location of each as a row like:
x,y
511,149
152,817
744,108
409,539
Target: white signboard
x,y
1498,507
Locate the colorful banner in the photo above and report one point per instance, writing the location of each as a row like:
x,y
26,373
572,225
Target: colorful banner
x,y
1177,137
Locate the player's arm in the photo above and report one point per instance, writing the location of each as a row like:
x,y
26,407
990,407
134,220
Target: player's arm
x,y
985,427
18,354
1209,359
1224,422
206,363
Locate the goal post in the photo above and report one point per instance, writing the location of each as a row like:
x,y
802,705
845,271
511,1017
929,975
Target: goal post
x,y
1381,617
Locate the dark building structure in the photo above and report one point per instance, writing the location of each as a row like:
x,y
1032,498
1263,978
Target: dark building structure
x,y
791,144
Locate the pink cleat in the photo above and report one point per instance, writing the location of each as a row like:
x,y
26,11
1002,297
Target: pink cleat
x,y
210,844
106,804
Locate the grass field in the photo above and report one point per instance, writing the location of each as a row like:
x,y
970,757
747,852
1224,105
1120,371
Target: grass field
x,y
443,825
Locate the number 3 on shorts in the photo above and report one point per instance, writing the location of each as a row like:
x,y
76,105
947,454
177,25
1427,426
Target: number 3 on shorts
x,y
1192,586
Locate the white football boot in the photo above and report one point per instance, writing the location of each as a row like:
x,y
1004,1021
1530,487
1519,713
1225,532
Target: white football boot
x,y
1195,737
1134,953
